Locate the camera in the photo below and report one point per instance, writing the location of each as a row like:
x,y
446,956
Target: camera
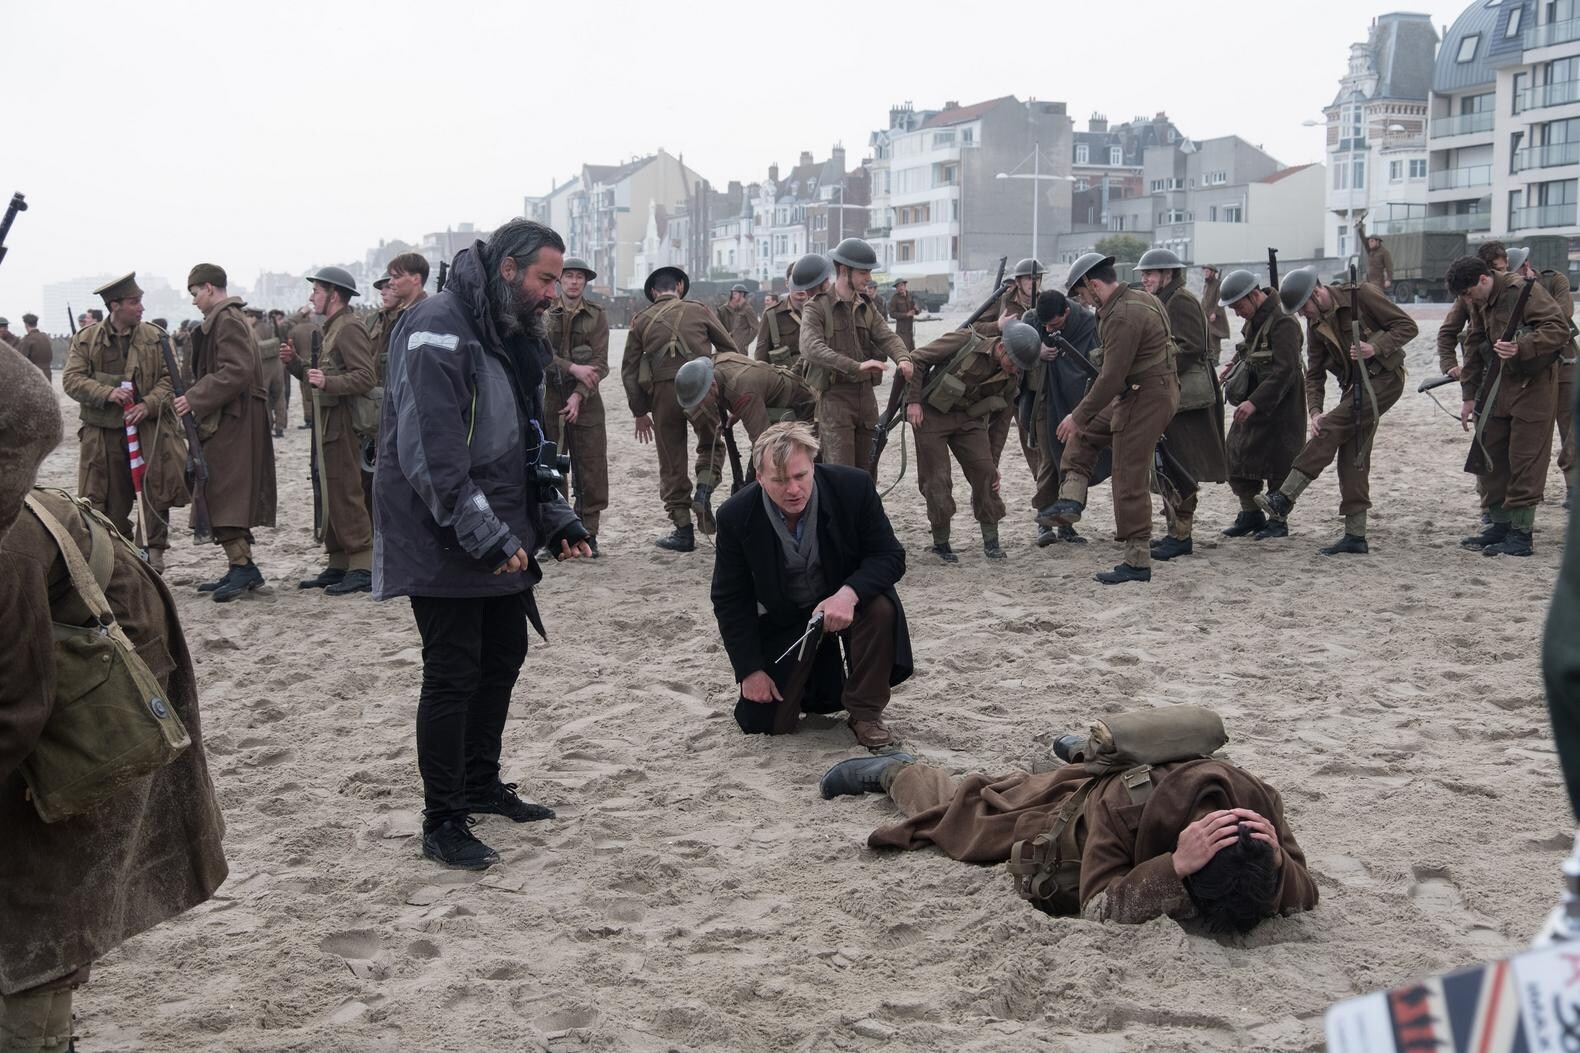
x,y
551,467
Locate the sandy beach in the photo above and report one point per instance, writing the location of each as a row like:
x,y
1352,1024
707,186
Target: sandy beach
x,y
696,893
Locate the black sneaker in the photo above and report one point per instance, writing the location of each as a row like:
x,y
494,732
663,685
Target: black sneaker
x,y
1246,523
945,553
326,577
354,581
240,580
502,800
1123,573
214,586
1348,545
1167,548
452,844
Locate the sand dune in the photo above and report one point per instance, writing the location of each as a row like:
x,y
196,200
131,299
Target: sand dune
x,y
696,893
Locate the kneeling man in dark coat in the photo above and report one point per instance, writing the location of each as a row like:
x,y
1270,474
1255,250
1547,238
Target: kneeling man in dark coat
x,y
808,539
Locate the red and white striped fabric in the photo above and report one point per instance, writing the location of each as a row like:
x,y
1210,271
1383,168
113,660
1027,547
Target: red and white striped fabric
x,y
134,449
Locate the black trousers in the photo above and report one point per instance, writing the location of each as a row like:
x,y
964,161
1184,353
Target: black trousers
x,y
472,651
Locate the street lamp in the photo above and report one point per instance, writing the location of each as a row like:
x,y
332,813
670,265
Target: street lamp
x,y
1036,191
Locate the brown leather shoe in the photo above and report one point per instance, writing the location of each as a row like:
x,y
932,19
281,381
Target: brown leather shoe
x,y
873,734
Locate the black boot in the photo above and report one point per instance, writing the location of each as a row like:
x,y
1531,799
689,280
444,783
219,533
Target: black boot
x,y
326,577
1517,543
214,586
238,581
1274,528
859,775
992,549
1047,536
592,543
945,553
1167,548
1248,522
1070,748
354,581
1067,534
1348,545
1490,534
1276,504
1122,574
1061,512
681,539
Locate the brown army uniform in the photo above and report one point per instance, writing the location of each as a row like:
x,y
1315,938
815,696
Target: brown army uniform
x,y
96,363
40,351
903,309
230,399
380,326
1379,261
1262,447
579,334
670,333
1388,329
300,334
275,384
1127,407
837,335
1518,431
1194,436
756,393
11,338
1557,285
967,415
347,361
1217,319
741,323
779,336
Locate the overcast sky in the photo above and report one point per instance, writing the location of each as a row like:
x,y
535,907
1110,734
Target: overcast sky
x,y
279,135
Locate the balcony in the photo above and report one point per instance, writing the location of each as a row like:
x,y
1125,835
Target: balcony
x,y
1464,223
1543,95
1550,156
874,233
1552,33
1543,216
1463,124
1460,178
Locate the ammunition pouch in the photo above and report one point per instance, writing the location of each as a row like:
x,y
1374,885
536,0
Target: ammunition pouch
x,y
1046,869
1237,388
782,356
779,414
106,414
818,378
365,411
111,722
945,392
1197,390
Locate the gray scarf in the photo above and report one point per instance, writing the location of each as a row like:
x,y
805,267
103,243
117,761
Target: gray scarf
x,y
803,569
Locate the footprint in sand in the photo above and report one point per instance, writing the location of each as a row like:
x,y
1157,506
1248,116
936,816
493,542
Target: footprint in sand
x,y
1433,889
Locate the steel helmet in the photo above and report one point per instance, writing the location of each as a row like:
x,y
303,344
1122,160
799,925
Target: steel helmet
x,y
1022,343
685,282
810,271
1159,260
1086,263
738,287
855,254
1027,268
576,263
692,382
1237,285
1518,255
1296,289
339,277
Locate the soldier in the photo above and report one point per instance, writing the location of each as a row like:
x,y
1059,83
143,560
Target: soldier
x,y
1332,313
1062,386
779,338
1217,317
1379,262
1263,384
1195,435
738,317
1028,283
963,408
877,300
1515,427
268,341
230,399
663,338
344,372
299,333
903,309
844,341
8,336
1138,387
280,408
1556,285
579,334
37,346
752,392
101,360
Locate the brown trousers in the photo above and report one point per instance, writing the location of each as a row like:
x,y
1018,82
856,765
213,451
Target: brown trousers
x,y
1132,425
669,435
1340,438
1046,472
847,415
967,438
40,1017
869,645
279,386
1520,447
589,453
108,488
920,788
348,534
905,329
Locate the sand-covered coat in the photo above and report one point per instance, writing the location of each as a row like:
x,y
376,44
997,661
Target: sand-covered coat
x,y
1127,850
71,891
1265,444
1195,437
40,351
231,401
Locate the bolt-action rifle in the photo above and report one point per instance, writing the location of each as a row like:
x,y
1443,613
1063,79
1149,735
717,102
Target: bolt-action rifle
x,y
197,463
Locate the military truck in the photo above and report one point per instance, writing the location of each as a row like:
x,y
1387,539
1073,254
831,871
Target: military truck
x,y
1420,260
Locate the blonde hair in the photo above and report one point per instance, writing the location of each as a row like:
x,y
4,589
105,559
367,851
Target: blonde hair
x,y
778,443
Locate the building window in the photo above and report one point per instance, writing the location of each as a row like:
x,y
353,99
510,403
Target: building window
x,y
1174,215
945,174
967,135
942,139
1513,28
904,251
1418,168
1082,153
1467,48
1116,156
1082,184
732,257
1395,171
1212,213
1234,214
1358,177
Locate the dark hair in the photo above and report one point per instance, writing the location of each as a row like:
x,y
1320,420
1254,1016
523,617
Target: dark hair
x,y
1051,303
1464,273
1237,888
1103,272
30,319
520,240
410,263
160,322
1491,250
273,311
668,281
331,289
96,314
